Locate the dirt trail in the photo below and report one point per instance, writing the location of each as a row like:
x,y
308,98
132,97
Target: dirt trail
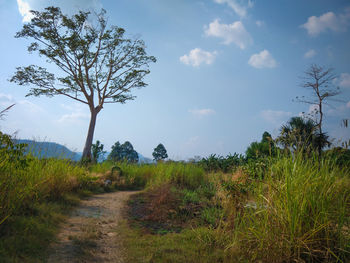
x,y
89,233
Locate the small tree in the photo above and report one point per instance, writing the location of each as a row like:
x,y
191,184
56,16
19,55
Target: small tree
x,y
97,151
123,152
265,147
320,81
99,64
160,153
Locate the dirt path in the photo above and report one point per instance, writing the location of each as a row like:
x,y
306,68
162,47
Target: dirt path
x,y
89,233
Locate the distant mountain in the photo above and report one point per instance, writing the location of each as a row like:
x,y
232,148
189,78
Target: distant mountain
x,y
49,150
143,159
56,150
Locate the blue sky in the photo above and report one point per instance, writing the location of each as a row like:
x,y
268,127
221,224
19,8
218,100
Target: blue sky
x,y
227,71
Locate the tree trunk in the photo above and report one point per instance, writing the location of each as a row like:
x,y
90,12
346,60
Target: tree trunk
x,y
320,129
90,135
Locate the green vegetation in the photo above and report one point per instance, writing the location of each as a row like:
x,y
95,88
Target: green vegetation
x,y
123,152
35,196
298,212
270,206
159,153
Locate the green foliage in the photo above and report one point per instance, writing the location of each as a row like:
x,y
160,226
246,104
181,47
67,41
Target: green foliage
x,y
11,154
212,215
266,147
340,155
301,134
160,153
97,151
123,153
226,164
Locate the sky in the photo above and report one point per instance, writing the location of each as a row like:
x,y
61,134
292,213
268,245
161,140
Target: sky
x,y
226,71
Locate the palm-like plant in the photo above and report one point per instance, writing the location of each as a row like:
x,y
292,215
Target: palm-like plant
x,y
301,134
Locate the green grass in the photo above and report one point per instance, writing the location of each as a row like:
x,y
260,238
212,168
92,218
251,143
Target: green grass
x,y
35,196
300,213
26,236
291,209
171,247
299,210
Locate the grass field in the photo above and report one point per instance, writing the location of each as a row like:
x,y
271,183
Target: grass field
x,y
288,208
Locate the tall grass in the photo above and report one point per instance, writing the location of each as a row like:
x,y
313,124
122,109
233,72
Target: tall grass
x,y
301,213
134,176
37,181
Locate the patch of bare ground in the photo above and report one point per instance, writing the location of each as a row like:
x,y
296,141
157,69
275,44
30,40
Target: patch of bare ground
x,y
89,234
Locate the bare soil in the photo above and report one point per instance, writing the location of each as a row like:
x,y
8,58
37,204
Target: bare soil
x,y
89,234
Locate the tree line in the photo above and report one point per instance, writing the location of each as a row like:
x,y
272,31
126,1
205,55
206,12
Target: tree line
x,y
125,152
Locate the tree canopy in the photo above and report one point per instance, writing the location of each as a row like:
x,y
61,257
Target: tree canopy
x,y
160,153
301,134
265,147
98,65
123,152
97,151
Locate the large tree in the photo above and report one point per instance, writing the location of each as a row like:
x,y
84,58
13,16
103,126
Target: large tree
x,y
98,64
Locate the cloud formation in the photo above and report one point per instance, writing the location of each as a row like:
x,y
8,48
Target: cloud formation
x,y
327,22
70,7
230,33
25,105
24,9
275,117
344,80
262,60
197,57
309,54
260,23
77,114
201,112
239,7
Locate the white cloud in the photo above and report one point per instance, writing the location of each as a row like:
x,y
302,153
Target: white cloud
x,y
77,114
198,56
275,117
24,105
230,33
344,80
73,117
328,21
24,9
260,23
70,7
201,112
239,7
6,97
262,60
309,54
30,107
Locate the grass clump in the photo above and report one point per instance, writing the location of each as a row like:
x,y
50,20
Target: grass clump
x,y
300,212
35,195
